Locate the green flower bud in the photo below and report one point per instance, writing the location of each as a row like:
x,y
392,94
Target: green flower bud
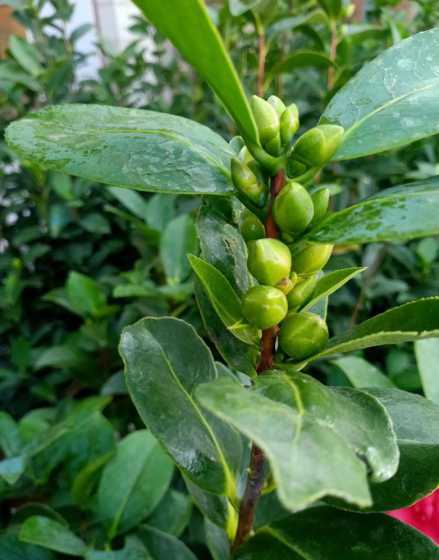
x,y
247,182
269,260
245,156
295,168
277,103
312,257
320,200
274,146
302,335
289,123
251,227
264,306
236,143
318,144
302,291
266,117
293,208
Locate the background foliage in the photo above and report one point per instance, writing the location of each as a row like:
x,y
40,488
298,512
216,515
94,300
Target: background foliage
x,y
78,262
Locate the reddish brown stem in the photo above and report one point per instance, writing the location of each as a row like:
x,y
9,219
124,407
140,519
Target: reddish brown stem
x,y
255,481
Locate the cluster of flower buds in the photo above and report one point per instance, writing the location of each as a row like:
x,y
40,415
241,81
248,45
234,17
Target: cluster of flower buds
x,y
286,269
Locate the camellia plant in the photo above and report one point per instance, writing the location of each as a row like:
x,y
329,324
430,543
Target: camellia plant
x,y
280,465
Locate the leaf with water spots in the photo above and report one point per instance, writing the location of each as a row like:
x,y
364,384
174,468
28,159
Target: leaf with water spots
x,y
396,214
392,101
131,148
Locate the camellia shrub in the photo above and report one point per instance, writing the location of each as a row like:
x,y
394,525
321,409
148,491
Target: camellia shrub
x,y
279,464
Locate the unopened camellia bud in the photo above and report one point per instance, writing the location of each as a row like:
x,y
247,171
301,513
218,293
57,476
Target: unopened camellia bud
x,y
302,291
318,144
285,285
277,103
302,335
267,121
251,227
312,257
289,123
320,201
264,306
269,260
293,208
247,182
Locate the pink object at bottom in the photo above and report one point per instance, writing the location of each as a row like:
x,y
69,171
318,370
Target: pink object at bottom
x,y
424,516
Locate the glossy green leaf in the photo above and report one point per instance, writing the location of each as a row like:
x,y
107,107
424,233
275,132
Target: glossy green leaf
x,y
392,101
223,247
362,374
412,321
165,360
162,546
297,421
427,357
178,240
396,214
85,295
323,533
172,514
131,148
200,43
416,423
224,299
133,482
48,533
330,283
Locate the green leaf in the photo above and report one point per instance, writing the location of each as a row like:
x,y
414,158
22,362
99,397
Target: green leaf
x,y
404,212
411,321
224,248
173,513
297,421
178,239
133,482
95,223
427,358
25,54
163,546
132,200
165,360
302,59
130,148
392,101
290,23
85,294
217,541
330,283
13,549
200,43
322,533
240,7
225,300
362,374
133,550
50,534
416,423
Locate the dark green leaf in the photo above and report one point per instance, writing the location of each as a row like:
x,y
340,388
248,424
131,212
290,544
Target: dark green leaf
x,y
13,549
362,374
85,294
178,239
323,533
396,214
48,533
411,321
296,421
290,23
162,546
165,360
25,54
131,200
133,550
133,482
331,282
224,299
130,148
200,43
302,59
392,101
172,513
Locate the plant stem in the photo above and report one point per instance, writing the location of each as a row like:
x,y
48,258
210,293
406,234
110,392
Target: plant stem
x,y
332,54
262,53
256,476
